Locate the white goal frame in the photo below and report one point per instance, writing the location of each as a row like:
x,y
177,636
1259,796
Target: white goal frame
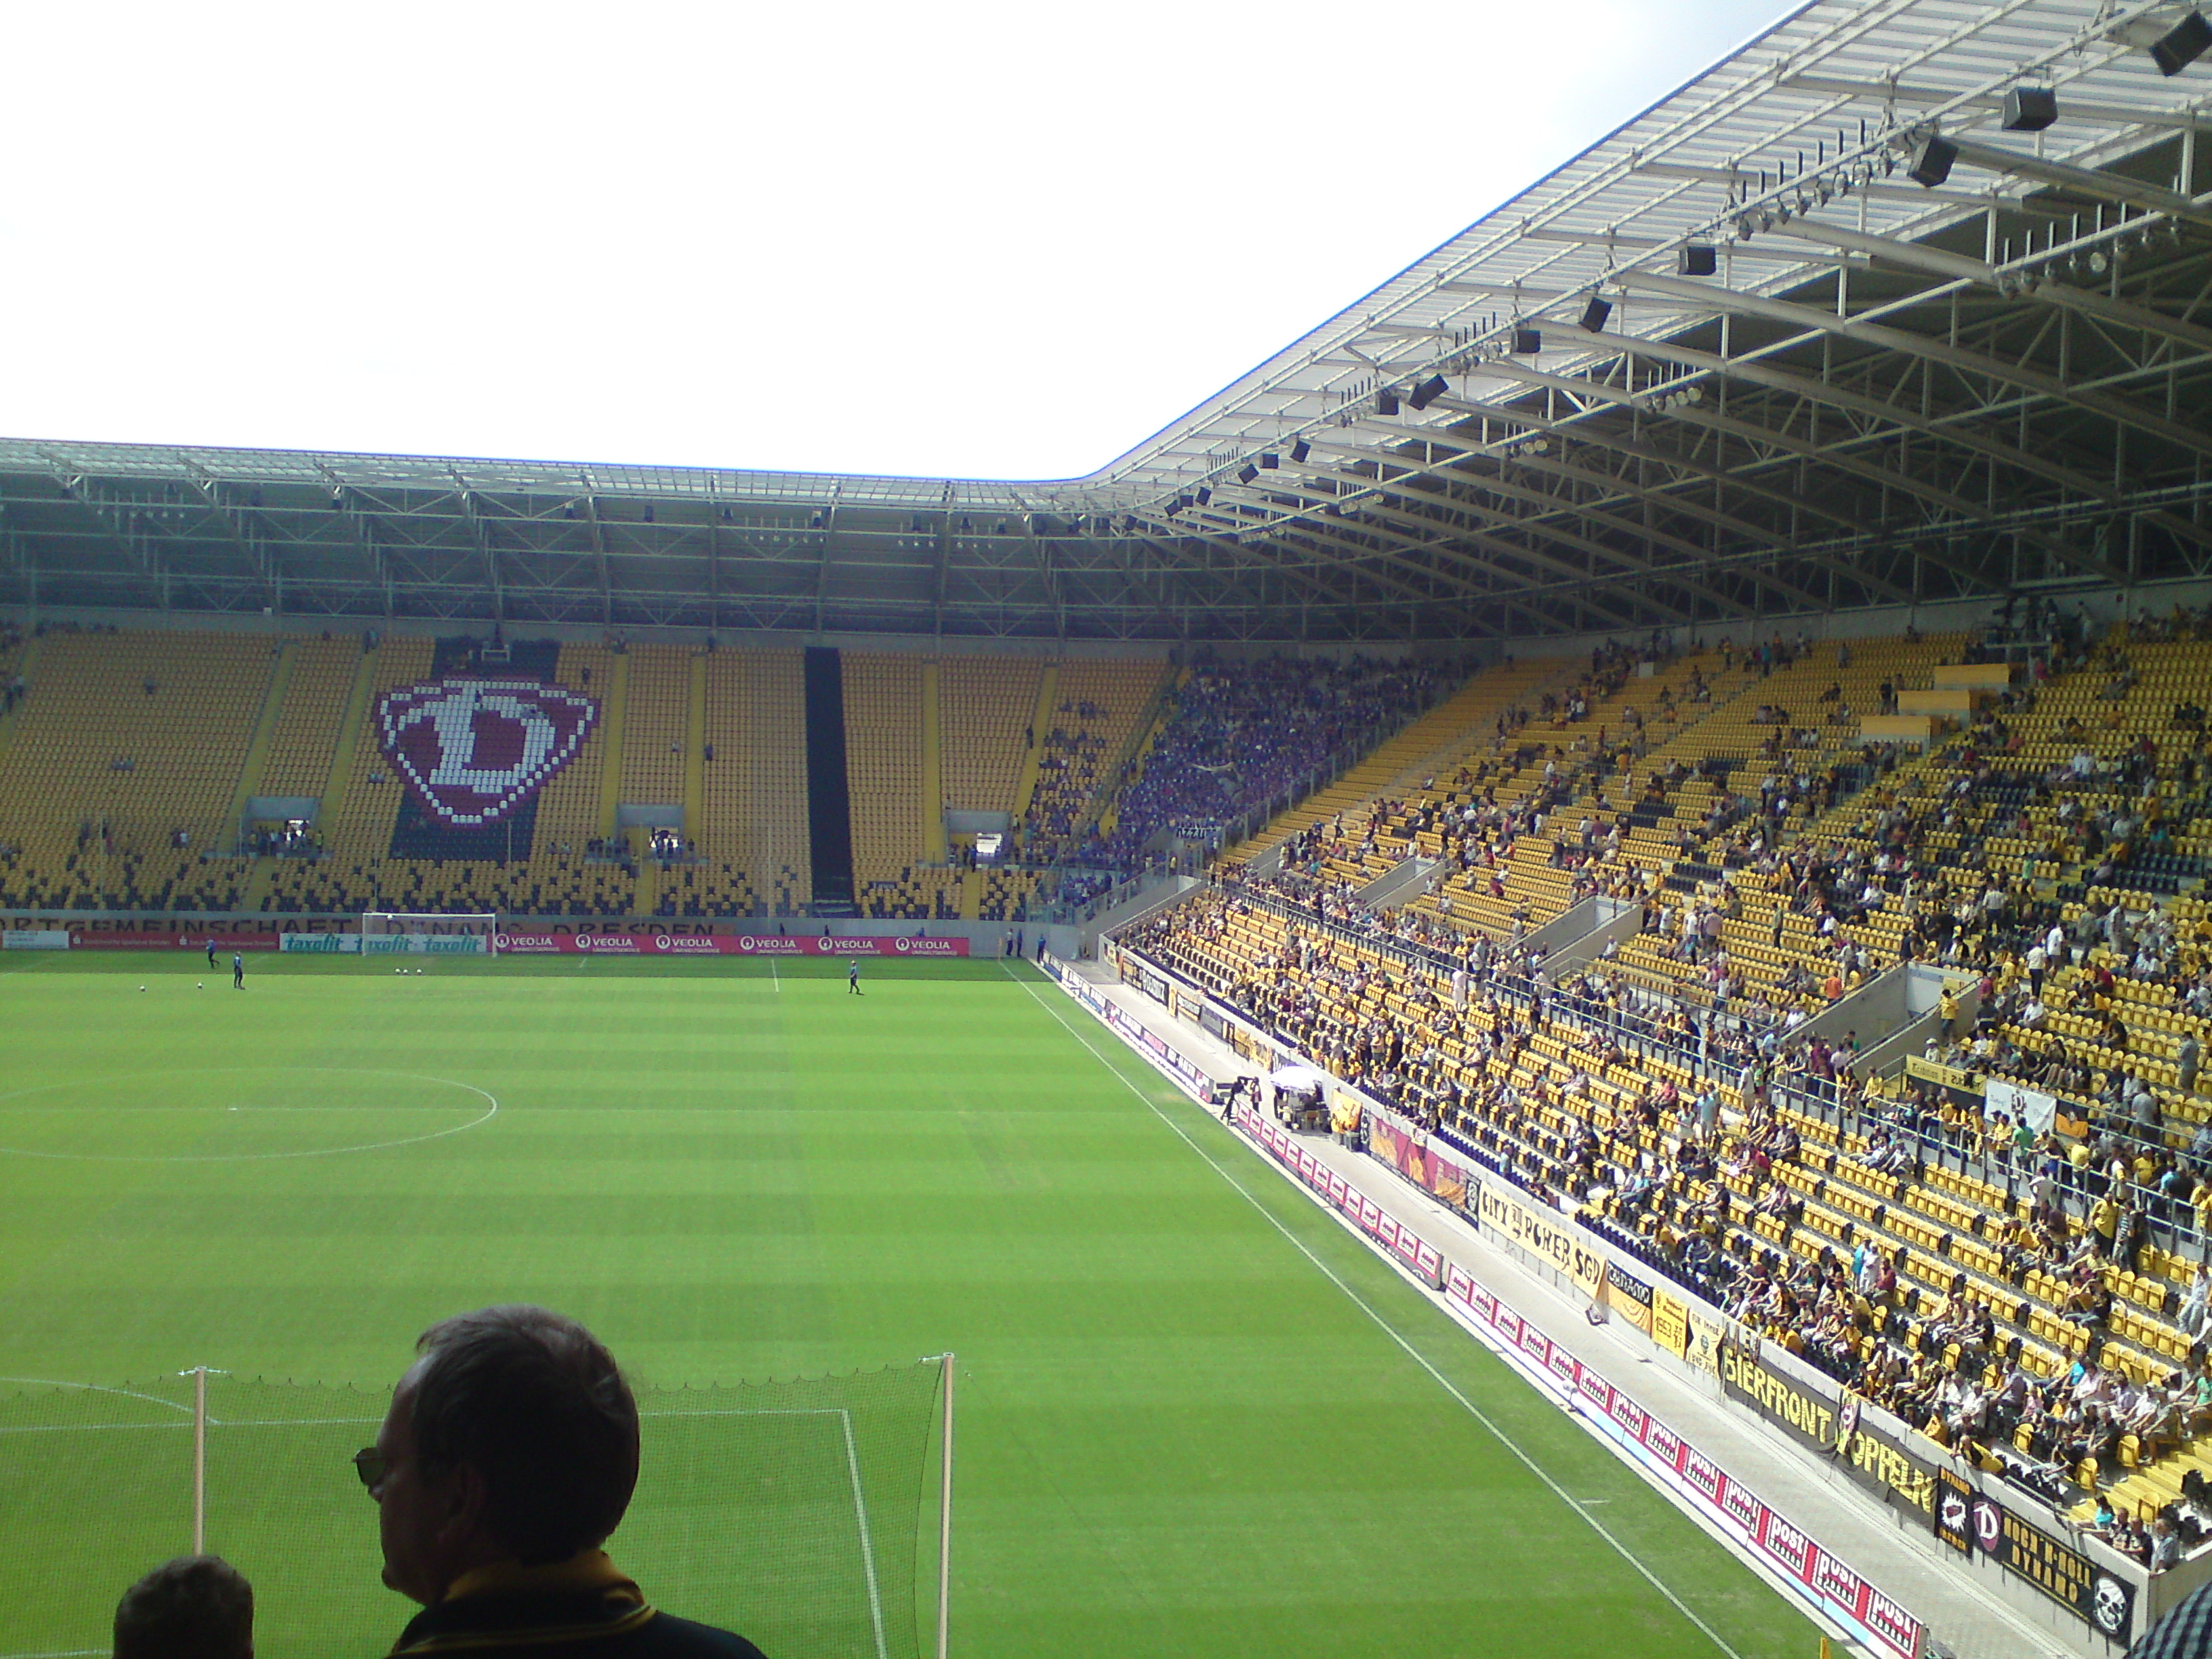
x,y
430,933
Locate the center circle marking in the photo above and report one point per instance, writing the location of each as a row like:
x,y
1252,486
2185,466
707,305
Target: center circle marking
x,y
490,1110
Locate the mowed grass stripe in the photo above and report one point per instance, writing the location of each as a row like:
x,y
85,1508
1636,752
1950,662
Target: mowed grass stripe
x,y
1178,1436
1174,1110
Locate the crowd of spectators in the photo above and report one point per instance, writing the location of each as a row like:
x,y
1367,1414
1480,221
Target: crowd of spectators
x,y
1873,868
1937,1358
294,840
609,849
1069,764
1243,734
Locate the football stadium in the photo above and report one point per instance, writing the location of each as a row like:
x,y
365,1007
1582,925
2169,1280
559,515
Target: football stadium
x,y
1534,985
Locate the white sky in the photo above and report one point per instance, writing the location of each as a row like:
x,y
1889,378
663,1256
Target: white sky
x,y
969,239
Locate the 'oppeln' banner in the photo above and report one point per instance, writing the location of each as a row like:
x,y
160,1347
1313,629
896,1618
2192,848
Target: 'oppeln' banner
x,y
1883,1463
142,938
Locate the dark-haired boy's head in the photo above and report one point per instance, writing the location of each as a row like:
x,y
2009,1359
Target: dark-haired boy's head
x,y
196,1607
512,1438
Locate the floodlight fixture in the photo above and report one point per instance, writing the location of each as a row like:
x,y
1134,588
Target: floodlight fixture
x,y
1932,162
2183,45
2029,109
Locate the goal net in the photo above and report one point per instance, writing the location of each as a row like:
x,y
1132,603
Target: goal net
x,y
807,1514
407,933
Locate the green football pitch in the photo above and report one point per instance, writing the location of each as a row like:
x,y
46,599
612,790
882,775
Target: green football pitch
x,y
1194,1416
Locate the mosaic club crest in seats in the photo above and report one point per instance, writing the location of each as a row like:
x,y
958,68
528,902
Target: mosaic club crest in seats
x,y
473,751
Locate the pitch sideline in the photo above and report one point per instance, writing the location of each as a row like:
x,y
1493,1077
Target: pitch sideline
x,y
1573,1504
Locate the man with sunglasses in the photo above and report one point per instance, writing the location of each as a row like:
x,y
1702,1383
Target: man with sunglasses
x,y
509,1455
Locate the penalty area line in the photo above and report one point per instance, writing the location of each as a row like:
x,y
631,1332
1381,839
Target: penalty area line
x,y
1573,1504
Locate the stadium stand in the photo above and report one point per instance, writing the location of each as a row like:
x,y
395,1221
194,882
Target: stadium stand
x,y
1423,748
1240,733
1641,778
159,804
1102,714
750,814
565,875
1033,740
2034,1300
884,762
987,715
314,708
652,744
753,827
119,771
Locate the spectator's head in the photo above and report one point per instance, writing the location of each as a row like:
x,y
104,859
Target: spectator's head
x,y
196,1607
512,1438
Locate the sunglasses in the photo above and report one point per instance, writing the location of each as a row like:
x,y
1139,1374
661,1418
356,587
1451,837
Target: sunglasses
x,y
372,1466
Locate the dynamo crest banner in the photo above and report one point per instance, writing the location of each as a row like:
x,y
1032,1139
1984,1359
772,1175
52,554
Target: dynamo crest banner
x,y
473,751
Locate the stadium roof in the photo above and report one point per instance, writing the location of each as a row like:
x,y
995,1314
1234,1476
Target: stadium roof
x,y
1884,390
